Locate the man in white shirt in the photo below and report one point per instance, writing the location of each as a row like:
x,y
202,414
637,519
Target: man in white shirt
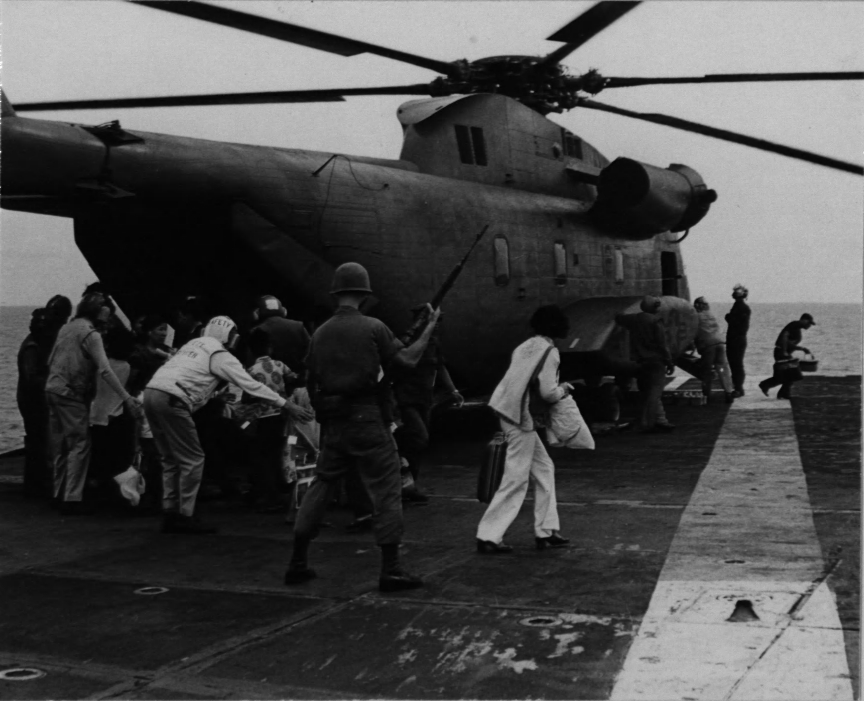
x,y
179,388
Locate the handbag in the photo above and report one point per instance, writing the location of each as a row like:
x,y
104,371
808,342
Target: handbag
x,y
492,468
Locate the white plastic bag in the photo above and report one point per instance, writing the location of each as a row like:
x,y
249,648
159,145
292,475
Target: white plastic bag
x,y
567,428
132,485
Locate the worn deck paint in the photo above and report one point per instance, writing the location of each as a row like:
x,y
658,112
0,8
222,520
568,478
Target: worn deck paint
x,y
746,534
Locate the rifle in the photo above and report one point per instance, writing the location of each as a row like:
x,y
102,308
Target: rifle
x,y
422,319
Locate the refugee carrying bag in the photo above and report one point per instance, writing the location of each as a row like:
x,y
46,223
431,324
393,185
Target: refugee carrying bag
x,y
492,469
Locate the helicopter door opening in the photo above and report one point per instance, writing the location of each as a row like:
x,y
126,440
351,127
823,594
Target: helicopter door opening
x,y
669,273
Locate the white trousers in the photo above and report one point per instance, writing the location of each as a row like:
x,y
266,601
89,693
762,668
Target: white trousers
x,y
526,458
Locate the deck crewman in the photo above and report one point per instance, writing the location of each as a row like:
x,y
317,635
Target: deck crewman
x,y
347,357
648,348
181,387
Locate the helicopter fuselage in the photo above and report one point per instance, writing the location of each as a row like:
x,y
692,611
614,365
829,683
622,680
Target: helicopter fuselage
x,y
160,216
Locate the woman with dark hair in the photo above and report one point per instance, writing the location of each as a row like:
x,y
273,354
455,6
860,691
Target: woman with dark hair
x,y
77,358
60,309
531,379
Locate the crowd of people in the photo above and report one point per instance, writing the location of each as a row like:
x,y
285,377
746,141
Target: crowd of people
x,y
113,413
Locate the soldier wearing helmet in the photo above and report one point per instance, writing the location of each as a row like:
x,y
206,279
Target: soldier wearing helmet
x,y
347,358
178,389
289,337
651,354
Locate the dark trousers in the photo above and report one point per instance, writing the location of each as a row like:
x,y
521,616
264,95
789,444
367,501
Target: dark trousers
x,y
266,453
782,376
37,463
222,442
412,437
151,468
651,380
360,442
735,350
113,449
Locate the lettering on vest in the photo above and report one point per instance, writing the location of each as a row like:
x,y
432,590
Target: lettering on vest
x,y
187,374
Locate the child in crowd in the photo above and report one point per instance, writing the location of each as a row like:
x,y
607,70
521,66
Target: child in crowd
x,y
266,426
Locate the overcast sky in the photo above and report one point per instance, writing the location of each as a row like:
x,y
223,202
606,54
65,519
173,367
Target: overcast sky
x,y
789,230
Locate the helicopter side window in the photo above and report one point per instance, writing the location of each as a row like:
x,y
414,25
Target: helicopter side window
x,y
619,265
463,141
560,263
471,145
502,261
572,144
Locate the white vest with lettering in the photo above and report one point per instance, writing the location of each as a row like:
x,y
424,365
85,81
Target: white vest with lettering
x,y
187,375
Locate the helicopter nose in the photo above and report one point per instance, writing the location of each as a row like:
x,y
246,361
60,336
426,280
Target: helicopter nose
x,y
43,159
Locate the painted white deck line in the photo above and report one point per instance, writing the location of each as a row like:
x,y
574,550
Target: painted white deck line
x,y
676,382
747,533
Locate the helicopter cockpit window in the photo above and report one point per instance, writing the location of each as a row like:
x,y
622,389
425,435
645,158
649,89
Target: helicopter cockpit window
x,y
560,263
502,261
471,145
572,144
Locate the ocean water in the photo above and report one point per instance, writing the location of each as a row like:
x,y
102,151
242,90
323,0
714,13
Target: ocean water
x,y
835,341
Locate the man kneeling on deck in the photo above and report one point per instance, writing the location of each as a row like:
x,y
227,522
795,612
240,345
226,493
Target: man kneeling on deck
x,y
345,362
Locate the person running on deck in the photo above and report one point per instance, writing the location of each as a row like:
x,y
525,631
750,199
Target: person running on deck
x,y
785,374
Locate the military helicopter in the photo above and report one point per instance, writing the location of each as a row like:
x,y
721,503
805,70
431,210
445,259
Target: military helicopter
x,y
566,225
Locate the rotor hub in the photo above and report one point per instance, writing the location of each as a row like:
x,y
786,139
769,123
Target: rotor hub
x,y
542,87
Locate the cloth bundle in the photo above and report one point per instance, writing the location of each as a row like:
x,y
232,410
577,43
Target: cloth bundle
x,y
132,485
567,428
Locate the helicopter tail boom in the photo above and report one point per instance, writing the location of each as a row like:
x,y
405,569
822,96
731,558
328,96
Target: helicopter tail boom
x,y
7,110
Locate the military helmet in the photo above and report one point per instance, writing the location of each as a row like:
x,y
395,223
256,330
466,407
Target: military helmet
x,y
220,328
350,277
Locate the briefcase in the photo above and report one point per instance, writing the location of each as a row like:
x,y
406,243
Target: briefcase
x,y
492,469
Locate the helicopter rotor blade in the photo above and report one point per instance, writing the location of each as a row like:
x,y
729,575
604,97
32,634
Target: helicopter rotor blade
x,y
249,98
585,27
725,135
733,78
295,34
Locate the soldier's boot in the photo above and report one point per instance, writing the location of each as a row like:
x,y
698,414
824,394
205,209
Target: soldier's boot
x,y
298,568
393,577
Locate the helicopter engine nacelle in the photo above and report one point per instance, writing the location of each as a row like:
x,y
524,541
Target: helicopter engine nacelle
x,y
641,200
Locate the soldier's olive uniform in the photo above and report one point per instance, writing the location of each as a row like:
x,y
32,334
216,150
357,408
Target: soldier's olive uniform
x,y
345,359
